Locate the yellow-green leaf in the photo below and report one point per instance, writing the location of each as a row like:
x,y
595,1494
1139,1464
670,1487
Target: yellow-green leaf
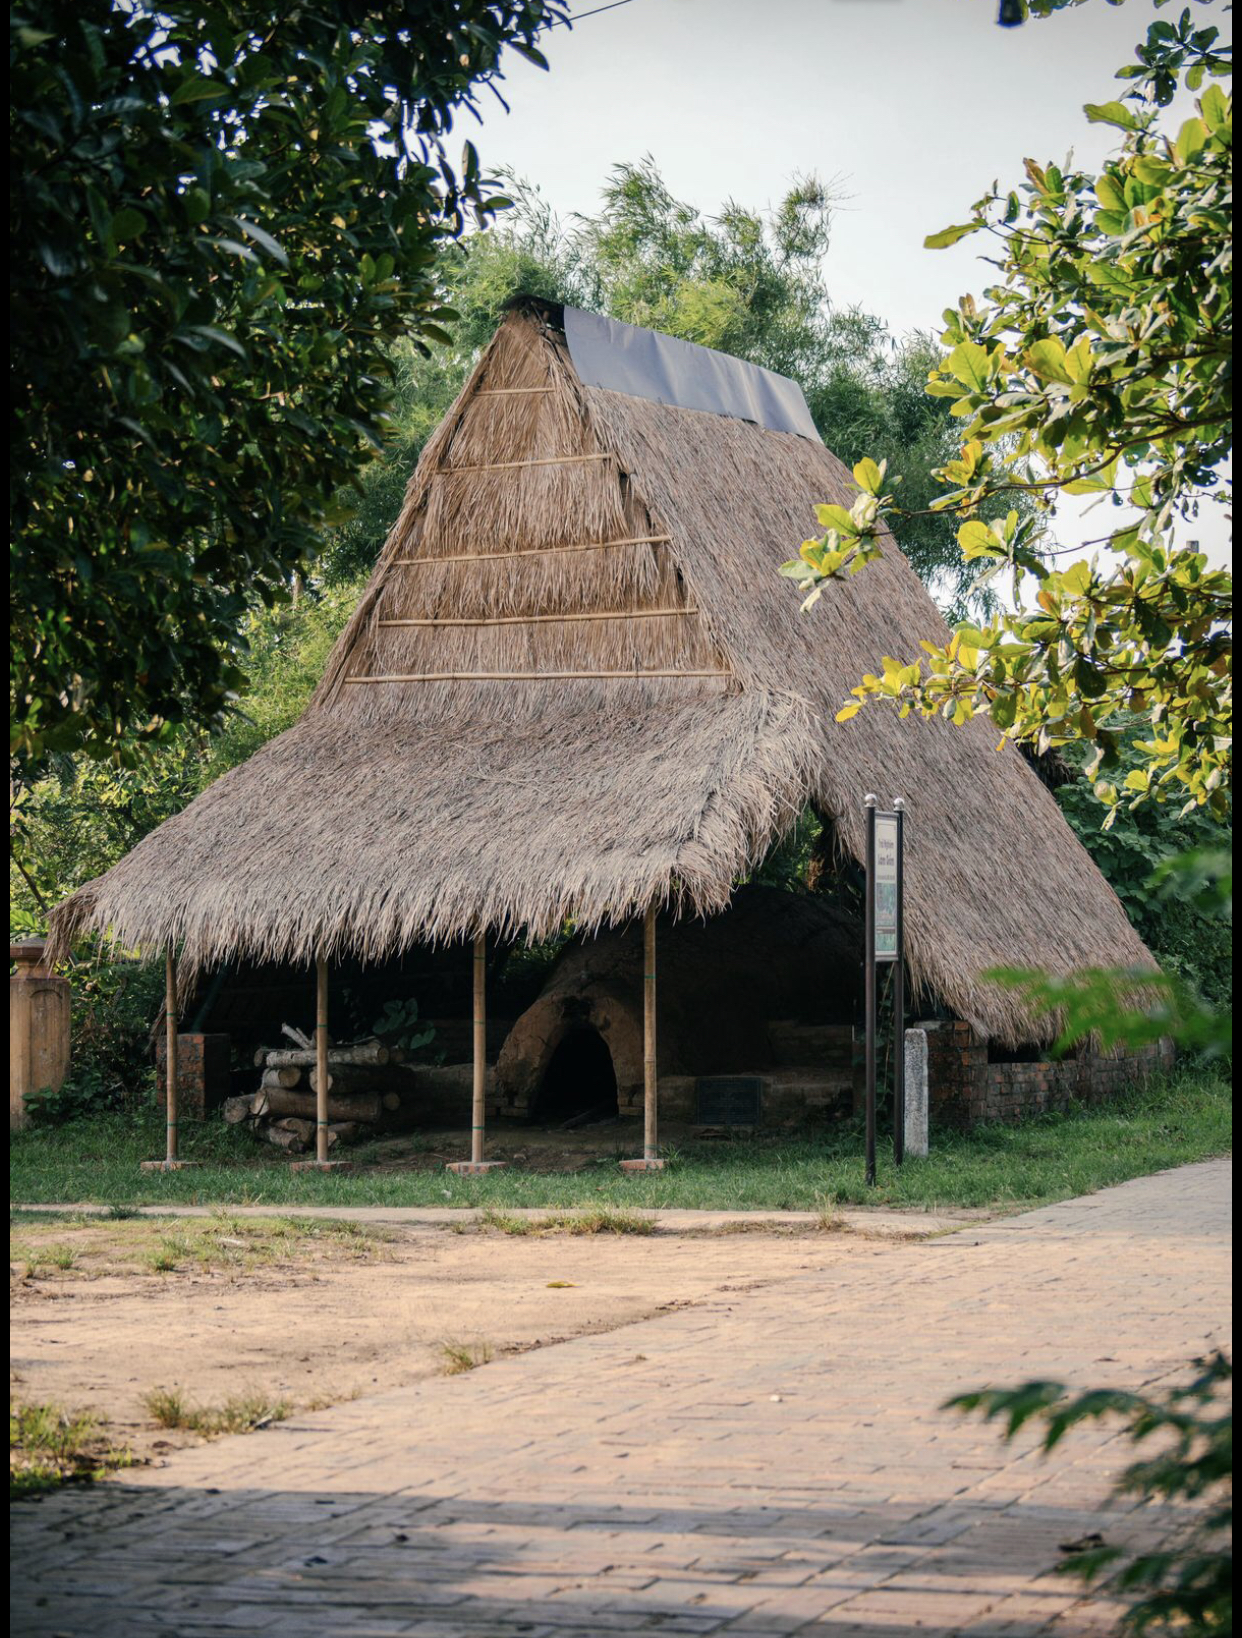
x,y
1047,359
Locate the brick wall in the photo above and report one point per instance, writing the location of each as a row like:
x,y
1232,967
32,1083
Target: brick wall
x,y
963,1087
203,1079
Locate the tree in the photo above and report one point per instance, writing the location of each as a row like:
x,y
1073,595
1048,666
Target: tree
x,y
748,283
222,217
1099,365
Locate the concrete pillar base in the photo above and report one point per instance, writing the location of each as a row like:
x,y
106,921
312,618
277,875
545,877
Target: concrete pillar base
x,y
641,1165
474,1168
321,1166
168,1165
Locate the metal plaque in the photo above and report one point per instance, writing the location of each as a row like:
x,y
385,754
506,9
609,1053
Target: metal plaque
x,y
886,845
728,1100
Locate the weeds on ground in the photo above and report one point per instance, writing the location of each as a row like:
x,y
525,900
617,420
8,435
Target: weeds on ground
x,y
459,1357
50,1446
829,1218
597,1220
242,1413
124,1242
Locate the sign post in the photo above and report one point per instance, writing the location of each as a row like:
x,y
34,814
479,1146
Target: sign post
x,y
885,942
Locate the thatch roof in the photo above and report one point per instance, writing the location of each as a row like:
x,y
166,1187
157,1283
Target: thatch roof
x,y
520,771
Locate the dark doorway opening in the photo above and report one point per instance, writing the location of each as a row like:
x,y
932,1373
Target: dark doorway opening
x,y
579,1081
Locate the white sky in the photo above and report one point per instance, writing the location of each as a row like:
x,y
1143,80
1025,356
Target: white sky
x,y
916,106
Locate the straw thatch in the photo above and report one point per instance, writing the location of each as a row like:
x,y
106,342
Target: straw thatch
x,y
501,789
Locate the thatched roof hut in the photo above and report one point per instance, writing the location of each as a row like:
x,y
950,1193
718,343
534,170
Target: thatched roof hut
x,y
576,686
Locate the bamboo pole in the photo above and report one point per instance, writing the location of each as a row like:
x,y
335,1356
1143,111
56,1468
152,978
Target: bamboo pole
x,y
510,466
526,676
321,1059
534,551
542,619
478,1100
508,392
650,1077
478,1117
170,1057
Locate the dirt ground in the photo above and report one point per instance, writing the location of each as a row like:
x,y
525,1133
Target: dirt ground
x,y
520,1143
300,1314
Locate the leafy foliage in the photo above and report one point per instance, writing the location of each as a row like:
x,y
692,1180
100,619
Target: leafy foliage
x,y
222,218
1172,873
1185,1588
83,815
1100,366
113,1005
398,1025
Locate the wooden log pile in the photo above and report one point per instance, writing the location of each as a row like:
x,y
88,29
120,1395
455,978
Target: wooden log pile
x,y
368,1083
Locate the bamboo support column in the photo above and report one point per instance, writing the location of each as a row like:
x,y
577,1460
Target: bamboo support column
x,y
650,1078
170,1058
322,1074
478,1111
323,1081
650,1161
172,1161
478,1085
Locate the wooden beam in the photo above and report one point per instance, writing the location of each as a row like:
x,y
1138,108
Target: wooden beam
x,y
532,551
526,676
511,466
544,619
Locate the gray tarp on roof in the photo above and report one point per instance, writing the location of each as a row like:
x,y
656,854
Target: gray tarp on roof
x,y
644,364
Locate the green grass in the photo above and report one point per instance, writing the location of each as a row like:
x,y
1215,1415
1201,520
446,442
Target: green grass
x,y
243,1413
456,1358
597,1220
44,1244
1187,1117
50,1446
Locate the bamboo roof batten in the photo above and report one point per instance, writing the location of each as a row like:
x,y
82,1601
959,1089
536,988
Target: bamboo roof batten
x,y
534,551
528,676
511,466
543,619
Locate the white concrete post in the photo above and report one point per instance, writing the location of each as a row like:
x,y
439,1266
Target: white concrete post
x,y
916,1091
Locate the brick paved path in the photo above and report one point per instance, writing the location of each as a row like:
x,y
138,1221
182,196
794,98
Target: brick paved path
x,y
769,1463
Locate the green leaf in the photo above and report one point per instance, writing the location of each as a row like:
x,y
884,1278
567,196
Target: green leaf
x,y
950,235
836,517
977,540
969,363
1047,359
127,224
1111,113
1216,110
261,236
197,88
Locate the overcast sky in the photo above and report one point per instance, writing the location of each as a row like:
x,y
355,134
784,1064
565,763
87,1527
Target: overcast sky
x,y
915,106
